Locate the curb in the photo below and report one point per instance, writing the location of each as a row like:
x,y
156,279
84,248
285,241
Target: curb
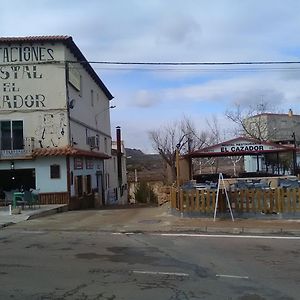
x,y
38,214
48,212
6,224
213,230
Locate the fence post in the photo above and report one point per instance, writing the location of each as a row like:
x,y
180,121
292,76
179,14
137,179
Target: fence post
x,y
202,201
294,198
254,199
213,202
279,197
288,198
197,200
181,200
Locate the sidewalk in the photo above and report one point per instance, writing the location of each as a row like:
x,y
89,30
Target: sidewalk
x,y
163,220
6,219
141,219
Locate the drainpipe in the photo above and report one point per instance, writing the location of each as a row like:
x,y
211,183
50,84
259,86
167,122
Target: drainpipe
x,y
119,155
69,132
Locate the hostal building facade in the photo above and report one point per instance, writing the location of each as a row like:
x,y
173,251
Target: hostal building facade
x,y
54,122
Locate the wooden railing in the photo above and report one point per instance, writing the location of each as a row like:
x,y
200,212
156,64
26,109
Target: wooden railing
x,y
243,201
82,202
54,198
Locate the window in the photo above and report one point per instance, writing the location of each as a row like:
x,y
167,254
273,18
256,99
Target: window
x,y
92,98
88,184
78,163
11,135
105,145
78,185
80,91
89,163
54,171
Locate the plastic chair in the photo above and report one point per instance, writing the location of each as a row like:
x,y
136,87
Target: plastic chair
x,y
27,198
35,197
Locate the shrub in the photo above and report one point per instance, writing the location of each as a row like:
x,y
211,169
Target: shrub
x,y
144,193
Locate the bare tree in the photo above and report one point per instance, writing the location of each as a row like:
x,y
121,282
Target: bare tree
x,y
251,121
181,135
235,160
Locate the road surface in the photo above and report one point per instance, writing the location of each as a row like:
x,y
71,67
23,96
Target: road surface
x,y
44,262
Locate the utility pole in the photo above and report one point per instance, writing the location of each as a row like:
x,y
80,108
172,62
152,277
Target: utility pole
x,y
294,154
177,167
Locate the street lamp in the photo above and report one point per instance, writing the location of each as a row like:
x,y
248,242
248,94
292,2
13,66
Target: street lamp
x,y
96,115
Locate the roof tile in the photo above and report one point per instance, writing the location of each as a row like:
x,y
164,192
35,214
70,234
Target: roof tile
x,y
67,151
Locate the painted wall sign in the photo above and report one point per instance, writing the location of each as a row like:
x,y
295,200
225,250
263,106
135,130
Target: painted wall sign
x,y
26,54
241,148
22,67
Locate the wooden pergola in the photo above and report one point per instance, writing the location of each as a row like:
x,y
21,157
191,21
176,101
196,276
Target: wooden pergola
x,y
241,146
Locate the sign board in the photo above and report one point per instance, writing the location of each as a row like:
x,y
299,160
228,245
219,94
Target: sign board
x,y
240,146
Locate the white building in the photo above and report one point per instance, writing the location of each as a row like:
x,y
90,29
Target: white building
x,y
54,121
283,129
117,164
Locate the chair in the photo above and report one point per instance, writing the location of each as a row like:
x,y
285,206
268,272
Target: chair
x,y
35,197
27,198
18,199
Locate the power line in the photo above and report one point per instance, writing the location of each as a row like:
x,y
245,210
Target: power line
x,y
245,69
188,63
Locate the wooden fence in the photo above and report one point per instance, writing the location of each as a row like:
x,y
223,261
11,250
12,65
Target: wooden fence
x,y
277,200
54,198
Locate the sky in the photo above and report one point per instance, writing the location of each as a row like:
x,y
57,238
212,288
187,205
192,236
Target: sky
x,y
148,98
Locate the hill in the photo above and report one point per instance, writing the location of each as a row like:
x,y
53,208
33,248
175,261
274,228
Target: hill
x,y
147,166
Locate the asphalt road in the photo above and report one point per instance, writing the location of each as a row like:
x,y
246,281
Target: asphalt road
x,y
42,262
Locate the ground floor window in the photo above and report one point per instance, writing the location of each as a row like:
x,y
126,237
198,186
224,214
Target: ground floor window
x,y
78,185
89,184
54,171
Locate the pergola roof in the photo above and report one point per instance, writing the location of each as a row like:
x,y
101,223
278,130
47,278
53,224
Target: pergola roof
x,y
240,146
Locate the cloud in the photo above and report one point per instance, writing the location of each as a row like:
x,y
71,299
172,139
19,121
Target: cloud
x,y
183,30
174,30
243,89
144,98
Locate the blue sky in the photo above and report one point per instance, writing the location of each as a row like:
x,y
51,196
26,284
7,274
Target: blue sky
x,y
177,31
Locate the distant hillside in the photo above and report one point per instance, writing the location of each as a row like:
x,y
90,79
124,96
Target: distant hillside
x,y
148,166
133,152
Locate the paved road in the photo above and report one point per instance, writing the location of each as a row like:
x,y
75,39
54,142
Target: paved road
x,y
42,262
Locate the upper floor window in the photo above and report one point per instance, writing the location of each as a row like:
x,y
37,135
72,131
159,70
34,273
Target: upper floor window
x,y
11,135
92,98
81,87
105,145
